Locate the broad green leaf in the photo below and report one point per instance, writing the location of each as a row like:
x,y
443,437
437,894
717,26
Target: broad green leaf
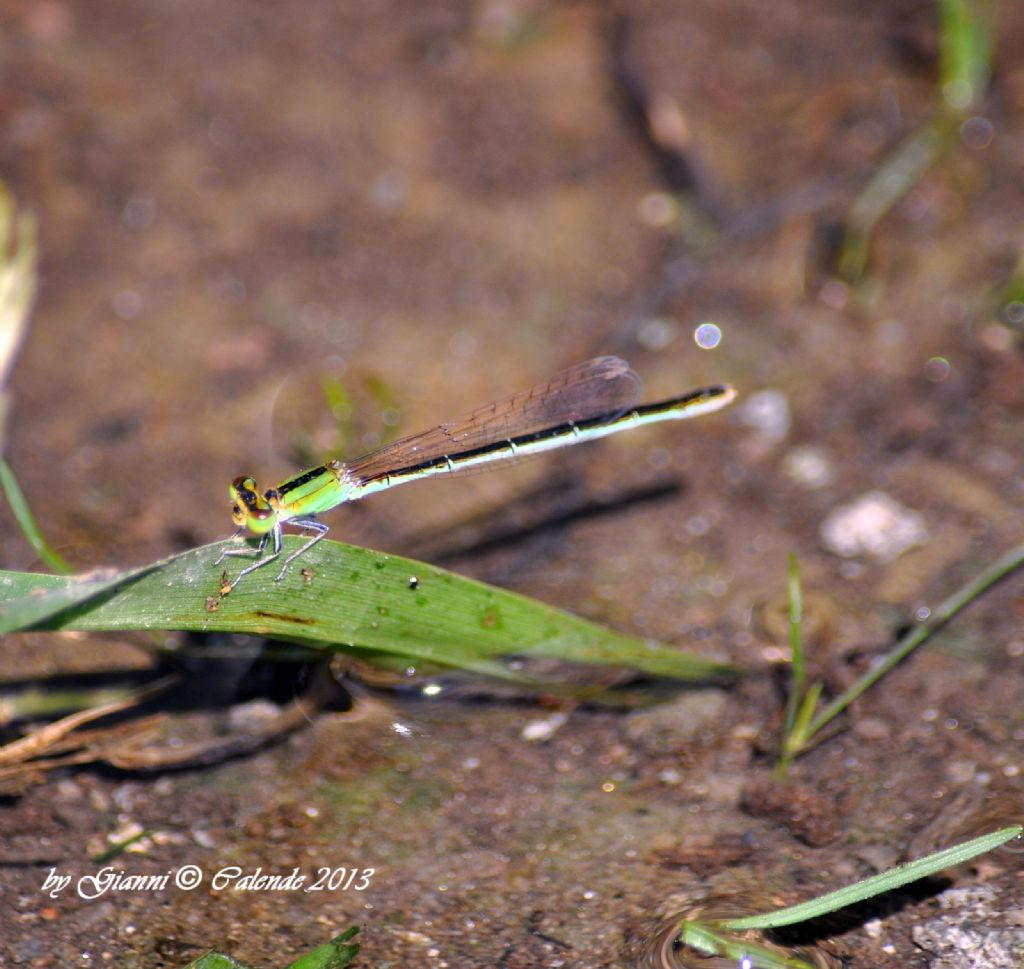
x,y
340,597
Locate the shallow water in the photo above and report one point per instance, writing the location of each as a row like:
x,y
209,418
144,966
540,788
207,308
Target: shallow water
x,y
443,203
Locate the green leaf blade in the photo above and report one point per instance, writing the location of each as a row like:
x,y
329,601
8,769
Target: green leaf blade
x,y
341,596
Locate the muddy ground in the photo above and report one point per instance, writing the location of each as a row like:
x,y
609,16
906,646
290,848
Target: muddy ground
x,y
439,202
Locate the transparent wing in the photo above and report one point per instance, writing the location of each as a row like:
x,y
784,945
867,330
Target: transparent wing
x,y
603,385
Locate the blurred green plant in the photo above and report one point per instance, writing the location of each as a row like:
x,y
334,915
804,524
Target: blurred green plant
x,y
967,31
319,416
336,954
17,282
1011,302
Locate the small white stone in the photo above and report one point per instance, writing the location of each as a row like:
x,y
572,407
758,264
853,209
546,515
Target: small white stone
x,y
808,466
539,731
767,413
873,525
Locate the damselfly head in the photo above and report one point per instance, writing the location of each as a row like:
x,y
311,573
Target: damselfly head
x,y
250,509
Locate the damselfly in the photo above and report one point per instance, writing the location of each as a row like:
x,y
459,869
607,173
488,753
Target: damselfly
x,y
585,402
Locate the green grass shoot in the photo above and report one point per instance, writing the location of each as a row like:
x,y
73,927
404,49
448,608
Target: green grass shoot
x,y
801,701
26,520
803,719
967,31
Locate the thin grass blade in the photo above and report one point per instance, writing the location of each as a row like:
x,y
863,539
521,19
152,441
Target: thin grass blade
x,y
876,885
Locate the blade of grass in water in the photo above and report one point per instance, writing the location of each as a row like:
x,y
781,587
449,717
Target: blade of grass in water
x,y
796,646
716,937
27,522
887,881
347,599
802,700
967,31
943,614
